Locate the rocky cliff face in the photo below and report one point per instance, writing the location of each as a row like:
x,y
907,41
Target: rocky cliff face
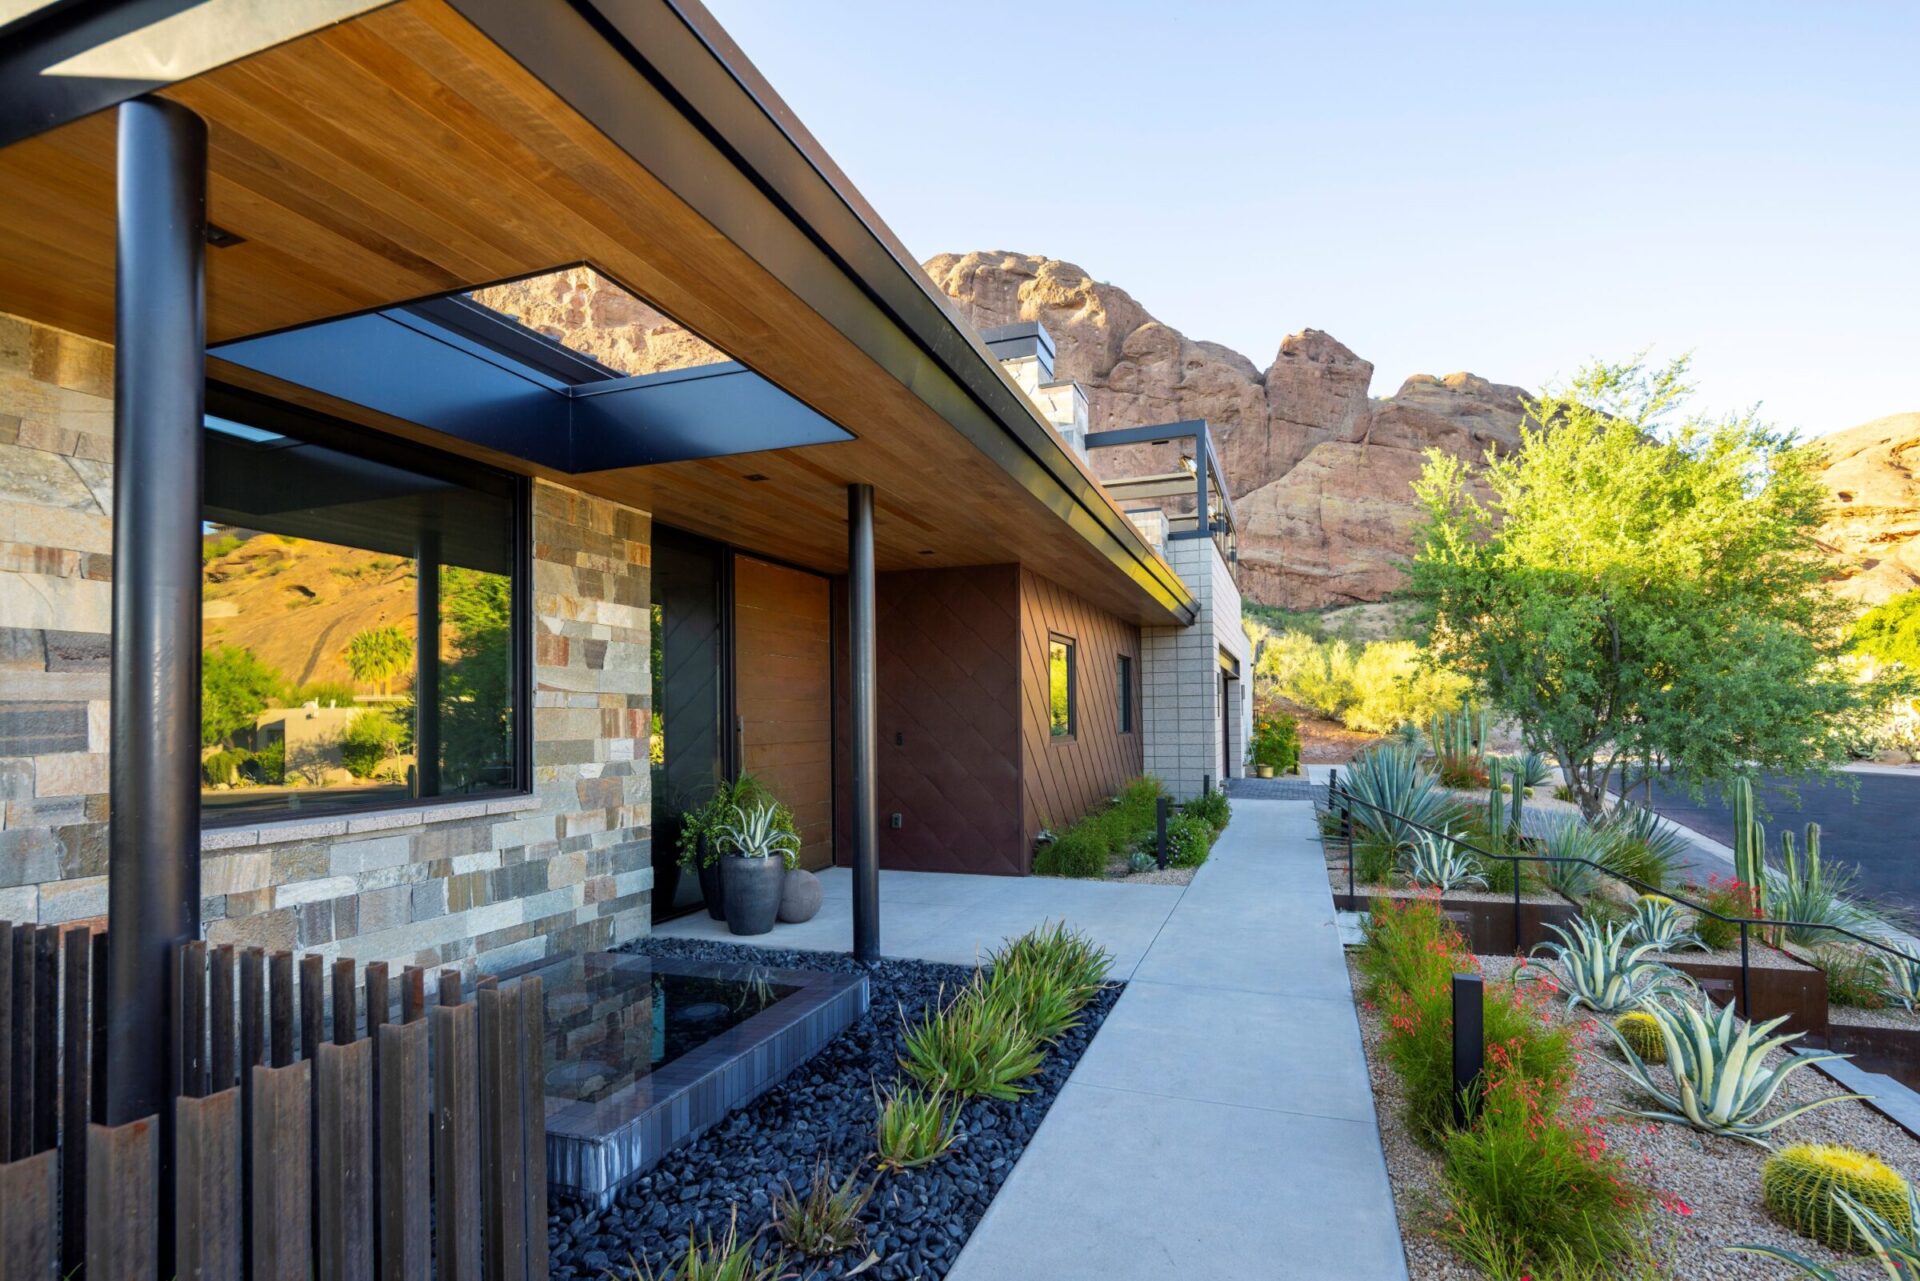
x,y
1320,473
1873,527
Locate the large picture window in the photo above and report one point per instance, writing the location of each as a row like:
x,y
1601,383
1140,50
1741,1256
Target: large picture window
x,y
362,635
1060,674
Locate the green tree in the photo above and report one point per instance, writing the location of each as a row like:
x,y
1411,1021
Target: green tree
x,y
1891,631
376,655
373,738
235,686
1640,593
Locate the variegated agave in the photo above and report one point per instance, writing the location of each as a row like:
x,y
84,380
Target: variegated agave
x,y
1603,969
1656,920
1439,862
1895,1248
752,834
1903,977
1722,1082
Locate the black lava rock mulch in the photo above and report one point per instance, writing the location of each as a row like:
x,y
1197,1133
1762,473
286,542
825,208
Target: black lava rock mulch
x,y
918,1219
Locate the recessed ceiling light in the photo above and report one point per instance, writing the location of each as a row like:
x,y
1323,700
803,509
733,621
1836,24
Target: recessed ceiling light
x,y
926,551
220,238
755,476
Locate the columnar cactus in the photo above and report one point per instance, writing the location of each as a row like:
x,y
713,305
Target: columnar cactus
x,y
1519,781
1749,846
1496,804
1799,1184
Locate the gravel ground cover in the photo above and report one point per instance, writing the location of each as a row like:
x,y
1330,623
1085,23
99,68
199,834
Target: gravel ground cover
x,y
918,1219
1708,1188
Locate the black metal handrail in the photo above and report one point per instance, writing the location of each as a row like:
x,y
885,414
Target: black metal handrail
x,y
1340,799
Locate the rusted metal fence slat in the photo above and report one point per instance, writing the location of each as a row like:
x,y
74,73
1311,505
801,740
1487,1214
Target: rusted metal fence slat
x,y
502,1133
280,1192
123,1174
76,1098
533,1031
207,1201
343,1195
405,1154
456,1142
27,1190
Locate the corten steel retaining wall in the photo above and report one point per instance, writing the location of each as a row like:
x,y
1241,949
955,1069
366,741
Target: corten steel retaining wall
x,y
480,884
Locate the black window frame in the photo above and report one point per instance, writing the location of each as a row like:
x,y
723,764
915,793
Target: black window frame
x,y
271,414
1124,662
1073,691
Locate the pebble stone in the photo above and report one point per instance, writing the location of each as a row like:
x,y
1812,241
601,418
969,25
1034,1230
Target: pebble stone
x,y
824,1111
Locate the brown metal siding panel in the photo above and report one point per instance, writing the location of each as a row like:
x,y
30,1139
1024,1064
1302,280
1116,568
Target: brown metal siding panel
x,y
1064,778
949,717
783,679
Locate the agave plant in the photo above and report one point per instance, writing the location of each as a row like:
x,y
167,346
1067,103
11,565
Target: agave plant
x,y
1656,920
1395,793
1439,862
1895,1247
1639,843
1603,969
1534,768
1722,1082
752,834
1568,837
1903,977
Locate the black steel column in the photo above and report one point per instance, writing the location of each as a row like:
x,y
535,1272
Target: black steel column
x,y
866,738
159,386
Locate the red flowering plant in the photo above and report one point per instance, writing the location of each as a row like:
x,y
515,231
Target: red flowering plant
x,y
1532,1181
1725,897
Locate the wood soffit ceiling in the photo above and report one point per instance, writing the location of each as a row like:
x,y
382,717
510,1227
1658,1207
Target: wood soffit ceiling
x,y
402,155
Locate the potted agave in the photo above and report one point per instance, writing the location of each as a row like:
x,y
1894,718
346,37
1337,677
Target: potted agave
x,y
753,867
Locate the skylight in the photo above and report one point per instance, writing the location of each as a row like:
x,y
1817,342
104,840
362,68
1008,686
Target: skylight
x,y
592,316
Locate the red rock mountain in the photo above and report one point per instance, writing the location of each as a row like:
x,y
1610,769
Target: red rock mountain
x,y
1873,527
1319,471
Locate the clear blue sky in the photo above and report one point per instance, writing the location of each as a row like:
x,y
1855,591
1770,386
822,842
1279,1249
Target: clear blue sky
x,y
1510,189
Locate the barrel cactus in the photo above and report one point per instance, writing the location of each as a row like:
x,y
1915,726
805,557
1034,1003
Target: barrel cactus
x,y
1799,1184
1642,1032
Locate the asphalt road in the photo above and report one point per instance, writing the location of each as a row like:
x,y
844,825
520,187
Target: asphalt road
x,y
1870,820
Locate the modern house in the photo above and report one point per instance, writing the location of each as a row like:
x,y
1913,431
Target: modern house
x,y
251,396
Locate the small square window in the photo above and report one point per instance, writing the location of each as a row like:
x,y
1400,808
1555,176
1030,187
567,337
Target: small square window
x,y
1124,675
1060,693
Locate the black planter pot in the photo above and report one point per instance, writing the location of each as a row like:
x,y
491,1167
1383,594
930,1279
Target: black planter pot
x,y
713,888
752,892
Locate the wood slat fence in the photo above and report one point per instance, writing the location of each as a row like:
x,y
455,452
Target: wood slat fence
x,y
343,1139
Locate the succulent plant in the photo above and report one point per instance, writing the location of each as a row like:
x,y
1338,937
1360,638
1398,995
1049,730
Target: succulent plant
x,y
1722,1083
1533,768
1568,837
1656,920
1895,1246
755,834
1815,895
1749,845
1603,969
1141,861
1439,862
1903,977
1392,792
1799,1184
1642,1031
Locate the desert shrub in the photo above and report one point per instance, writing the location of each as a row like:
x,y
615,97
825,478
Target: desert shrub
x,y
1211,807
1072,954
977,1045
267,766
1276,742
1728,898
372,739
1639,843
1408,959
224,765
1081,850
825,1219
710,1258
1189,840
1537,1176
1855,978
1374,857
1375,688
913,1126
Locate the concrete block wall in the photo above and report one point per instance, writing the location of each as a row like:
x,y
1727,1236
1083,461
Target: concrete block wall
x,y
1180,677
478,884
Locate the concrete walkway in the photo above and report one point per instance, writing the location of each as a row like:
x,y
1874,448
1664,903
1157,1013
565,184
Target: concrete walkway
x,y
1220,1125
